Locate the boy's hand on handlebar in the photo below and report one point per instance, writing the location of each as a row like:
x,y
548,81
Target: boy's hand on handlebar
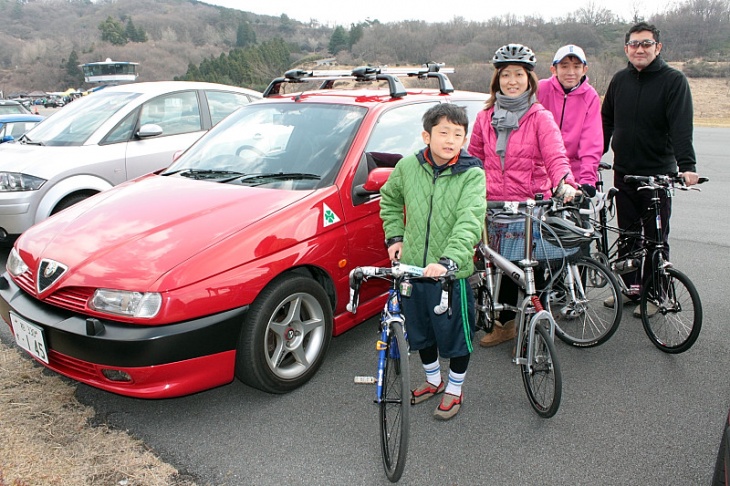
x,y
394,251
434,270
690,178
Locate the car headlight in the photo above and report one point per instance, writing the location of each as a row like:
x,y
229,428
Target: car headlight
x,y
15,265
125,303
14,181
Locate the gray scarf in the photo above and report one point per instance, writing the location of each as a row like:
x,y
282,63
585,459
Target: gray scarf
x,y
507,113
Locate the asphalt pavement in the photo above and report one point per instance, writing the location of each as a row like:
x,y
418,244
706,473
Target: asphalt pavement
x,y
630,414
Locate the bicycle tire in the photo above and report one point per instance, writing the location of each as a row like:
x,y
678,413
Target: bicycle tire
x,y
676,325
581,318
394,405
542,378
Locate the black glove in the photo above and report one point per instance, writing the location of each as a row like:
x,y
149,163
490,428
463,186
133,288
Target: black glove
x,y
588,190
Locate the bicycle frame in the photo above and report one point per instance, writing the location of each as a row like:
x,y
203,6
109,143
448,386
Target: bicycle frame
x,y
390,315
523,274
525,280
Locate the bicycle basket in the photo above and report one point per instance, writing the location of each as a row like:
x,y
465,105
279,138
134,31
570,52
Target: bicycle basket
x,y
508,238
565,233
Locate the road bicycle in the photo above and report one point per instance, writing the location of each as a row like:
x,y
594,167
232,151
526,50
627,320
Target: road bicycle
x,y
577,293
534,347
393,388
668,301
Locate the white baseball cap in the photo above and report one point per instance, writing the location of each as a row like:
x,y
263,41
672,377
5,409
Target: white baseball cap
x,y
569,50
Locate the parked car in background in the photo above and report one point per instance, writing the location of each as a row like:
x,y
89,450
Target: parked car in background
x,y
53,102
103,139
233,261
12,107
13,126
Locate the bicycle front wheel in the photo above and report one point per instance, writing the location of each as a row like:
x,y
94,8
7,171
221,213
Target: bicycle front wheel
x,y
671,311
576,302
542,378
394,405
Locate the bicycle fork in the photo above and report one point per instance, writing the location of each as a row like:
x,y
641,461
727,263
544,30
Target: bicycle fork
x,y
532,307
391,317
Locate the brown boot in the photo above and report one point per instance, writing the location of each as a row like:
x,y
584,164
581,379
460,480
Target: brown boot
x,y
500,334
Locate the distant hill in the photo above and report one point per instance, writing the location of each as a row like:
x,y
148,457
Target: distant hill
x,y
43,41
39,36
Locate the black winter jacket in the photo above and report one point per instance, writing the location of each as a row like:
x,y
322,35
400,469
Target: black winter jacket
x,y
649,114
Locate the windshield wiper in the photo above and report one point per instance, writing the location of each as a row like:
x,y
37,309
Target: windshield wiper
x,y
206,173
25,140
276,176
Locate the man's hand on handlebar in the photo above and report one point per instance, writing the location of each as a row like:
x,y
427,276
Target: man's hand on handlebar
x,y
690,178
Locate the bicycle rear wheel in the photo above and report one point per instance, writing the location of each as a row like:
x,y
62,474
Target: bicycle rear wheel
x,y
671,311
542,378
394,405
581,318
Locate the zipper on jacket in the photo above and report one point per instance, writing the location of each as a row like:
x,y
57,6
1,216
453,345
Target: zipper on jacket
x,y
562,113
428,221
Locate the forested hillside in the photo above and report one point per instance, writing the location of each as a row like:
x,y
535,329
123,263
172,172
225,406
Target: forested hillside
x,y
43,41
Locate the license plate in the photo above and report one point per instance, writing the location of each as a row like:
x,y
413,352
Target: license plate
x,y
29,337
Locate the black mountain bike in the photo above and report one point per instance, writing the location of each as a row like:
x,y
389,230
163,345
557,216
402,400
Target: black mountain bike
x,y
670,306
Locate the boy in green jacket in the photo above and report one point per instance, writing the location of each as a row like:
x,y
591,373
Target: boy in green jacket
x,y
433,208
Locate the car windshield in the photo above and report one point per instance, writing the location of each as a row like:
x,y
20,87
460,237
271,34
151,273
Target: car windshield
x,y
275,145
12,109
76,122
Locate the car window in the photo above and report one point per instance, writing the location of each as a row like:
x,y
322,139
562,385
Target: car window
x,y
175,113
123,131
276,139
398,131
12,109
76,122
16,129
223,103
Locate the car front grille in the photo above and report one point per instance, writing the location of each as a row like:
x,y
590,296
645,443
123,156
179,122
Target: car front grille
x,y
71,298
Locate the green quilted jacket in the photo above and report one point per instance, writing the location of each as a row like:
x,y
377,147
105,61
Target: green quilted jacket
x,y
444,213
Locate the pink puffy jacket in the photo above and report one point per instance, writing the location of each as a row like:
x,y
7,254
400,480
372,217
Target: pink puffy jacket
x,y
535,159
578,114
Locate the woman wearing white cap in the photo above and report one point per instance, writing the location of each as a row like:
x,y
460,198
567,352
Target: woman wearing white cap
x,y
576,107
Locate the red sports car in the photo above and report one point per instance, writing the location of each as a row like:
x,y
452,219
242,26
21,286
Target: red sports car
x,y
233,261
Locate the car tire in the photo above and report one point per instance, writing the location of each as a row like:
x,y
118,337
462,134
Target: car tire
x,y
69,201
285,336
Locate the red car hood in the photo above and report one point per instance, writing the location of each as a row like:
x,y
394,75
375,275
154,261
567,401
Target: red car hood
x,y
131,235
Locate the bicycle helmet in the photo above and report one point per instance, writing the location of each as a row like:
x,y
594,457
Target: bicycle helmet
x,y
569,234
514,54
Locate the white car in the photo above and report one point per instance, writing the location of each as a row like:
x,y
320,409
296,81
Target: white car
x,y
108,137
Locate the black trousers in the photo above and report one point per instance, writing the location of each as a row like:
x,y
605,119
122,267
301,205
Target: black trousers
x,y
632,212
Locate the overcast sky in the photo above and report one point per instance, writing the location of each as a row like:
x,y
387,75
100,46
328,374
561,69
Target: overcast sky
x,y
434,10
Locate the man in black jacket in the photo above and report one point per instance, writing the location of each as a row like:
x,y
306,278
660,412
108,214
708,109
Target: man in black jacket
x,y
648,113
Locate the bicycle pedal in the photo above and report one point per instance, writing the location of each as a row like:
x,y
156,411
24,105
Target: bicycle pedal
x,y
365,380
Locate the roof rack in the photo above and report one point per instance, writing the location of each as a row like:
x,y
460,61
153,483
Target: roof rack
x,y
366,73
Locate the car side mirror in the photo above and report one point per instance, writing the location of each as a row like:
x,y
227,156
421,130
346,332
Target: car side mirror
x,y
376,179
149,130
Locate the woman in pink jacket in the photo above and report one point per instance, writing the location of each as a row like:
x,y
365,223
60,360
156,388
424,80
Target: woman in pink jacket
x,y
523,155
